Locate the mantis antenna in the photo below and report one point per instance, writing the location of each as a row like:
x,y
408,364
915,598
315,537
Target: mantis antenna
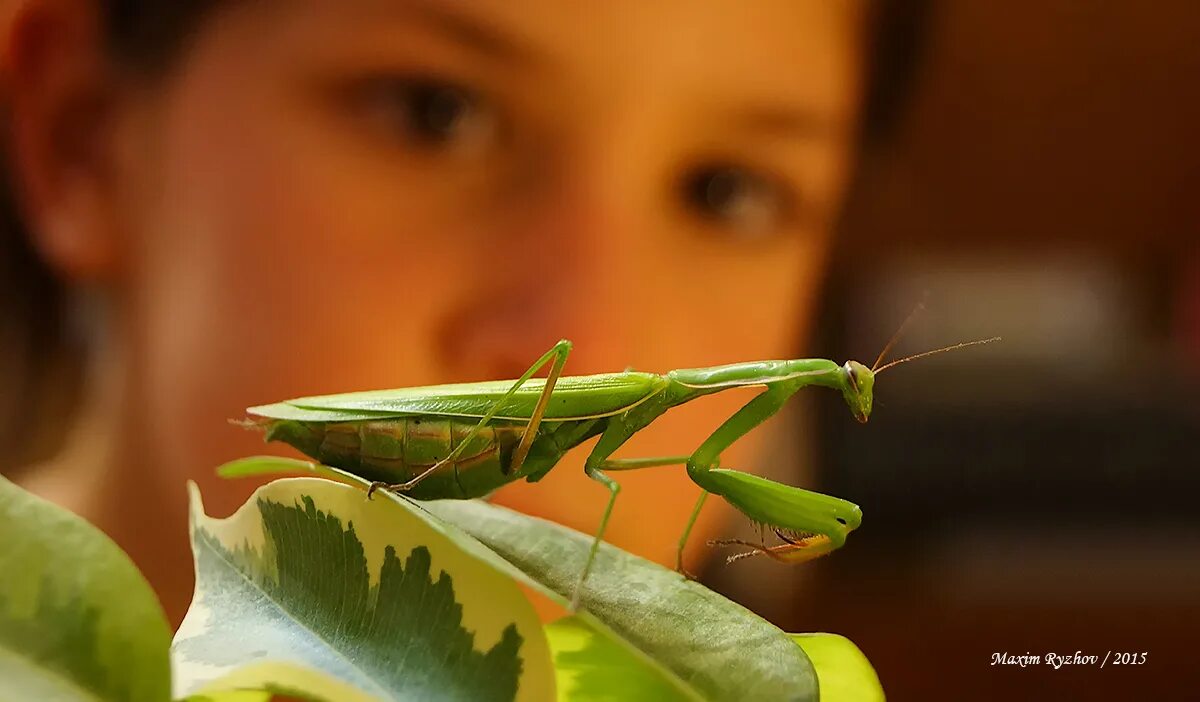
x,y
899,333
906,359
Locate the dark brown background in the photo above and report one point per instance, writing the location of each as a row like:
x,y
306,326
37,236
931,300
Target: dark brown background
x,y
1038,494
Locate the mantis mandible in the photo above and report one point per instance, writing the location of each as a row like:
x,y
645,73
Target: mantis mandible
x,y
465,440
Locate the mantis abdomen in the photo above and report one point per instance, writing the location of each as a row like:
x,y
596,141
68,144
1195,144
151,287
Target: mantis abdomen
x,y
397,449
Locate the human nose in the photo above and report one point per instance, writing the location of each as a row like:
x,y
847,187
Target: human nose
x,y
568,250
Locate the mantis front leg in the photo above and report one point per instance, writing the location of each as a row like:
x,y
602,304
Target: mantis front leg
x,y
794,549
821,520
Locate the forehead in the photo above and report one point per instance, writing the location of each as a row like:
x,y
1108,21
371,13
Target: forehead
x,y
798,50
778,45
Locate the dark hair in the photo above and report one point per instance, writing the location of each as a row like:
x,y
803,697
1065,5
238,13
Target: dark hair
x,y
896,37
40,365
148,35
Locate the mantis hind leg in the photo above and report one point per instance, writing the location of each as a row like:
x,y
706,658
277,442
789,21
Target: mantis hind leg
x,y
558,353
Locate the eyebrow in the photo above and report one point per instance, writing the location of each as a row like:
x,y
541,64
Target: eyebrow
x,y
782,121
485,38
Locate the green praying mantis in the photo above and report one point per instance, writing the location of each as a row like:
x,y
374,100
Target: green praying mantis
x,y
465,440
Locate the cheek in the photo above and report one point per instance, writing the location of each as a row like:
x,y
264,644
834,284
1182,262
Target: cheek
x,y
267,272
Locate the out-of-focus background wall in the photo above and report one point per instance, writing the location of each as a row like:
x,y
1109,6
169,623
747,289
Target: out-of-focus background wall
x,y
1039,494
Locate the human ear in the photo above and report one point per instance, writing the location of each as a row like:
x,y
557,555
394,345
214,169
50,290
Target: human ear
x,y
61,95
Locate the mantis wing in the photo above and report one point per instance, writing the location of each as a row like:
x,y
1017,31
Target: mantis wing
x,y
574,397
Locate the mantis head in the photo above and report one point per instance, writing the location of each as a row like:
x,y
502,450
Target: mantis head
x,y
858,382
858,387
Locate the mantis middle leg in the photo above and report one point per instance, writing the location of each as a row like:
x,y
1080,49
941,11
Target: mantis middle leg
x,y
636,463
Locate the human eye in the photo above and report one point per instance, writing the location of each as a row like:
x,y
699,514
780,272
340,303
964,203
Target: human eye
x,y
740,200
426,112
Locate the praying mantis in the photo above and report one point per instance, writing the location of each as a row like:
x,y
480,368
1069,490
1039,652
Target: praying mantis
x,y
465,440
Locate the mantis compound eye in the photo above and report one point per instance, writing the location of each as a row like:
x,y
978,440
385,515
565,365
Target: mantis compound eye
x,y
852,376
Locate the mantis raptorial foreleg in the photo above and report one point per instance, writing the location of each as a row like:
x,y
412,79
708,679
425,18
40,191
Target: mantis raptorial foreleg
x,y
763,500
558,353
794,549
702,465
706,458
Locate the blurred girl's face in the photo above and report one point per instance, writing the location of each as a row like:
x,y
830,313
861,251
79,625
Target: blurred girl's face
x,y
328,196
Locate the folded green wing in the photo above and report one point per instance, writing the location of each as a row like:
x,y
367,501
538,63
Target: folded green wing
x,y
575,397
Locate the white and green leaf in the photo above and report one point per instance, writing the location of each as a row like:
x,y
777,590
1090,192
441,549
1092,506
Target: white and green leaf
x,y
310,575
77,619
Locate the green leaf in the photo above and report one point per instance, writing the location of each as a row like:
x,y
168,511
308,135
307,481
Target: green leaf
x,y
844,672
592,666
309,575
77,619
715,646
